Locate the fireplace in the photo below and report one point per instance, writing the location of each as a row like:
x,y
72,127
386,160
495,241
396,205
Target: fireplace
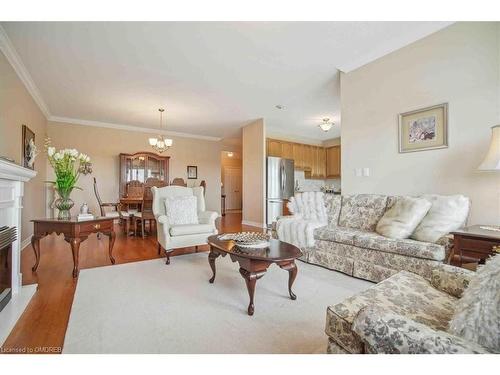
x,y
7,237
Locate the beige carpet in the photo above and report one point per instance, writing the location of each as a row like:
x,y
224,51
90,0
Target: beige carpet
x,y
148,307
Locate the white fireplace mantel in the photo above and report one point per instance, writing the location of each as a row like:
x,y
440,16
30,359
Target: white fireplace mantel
x,y
12,179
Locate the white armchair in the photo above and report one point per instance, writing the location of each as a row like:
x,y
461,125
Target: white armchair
x,y
172,237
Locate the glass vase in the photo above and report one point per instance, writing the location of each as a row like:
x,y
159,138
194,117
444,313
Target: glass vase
x,y
64,204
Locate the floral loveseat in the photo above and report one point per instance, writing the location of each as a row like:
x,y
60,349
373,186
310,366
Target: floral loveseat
x,y
402,314
347,240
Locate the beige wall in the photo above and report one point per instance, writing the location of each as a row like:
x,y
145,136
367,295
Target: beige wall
x,y
104,145
458,65
254,173
17,108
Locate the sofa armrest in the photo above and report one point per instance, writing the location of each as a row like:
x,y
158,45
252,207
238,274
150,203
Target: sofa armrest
x,y
385,332
207,217
450,279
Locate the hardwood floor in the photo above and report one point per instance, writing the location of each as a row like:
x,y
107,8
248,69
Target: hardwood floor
x,y
44,322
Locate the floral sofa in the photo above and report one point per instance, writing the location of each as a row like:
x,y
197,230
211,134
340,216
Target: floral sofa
x,y
347,241
402,314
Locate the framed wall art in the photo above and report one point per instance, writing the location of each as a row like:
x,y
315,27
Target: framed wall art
x,y
192,172
424,129
29,148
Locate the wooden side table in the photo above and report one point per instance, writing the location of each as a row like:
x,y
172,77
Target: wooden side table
x,y
474,245
75,232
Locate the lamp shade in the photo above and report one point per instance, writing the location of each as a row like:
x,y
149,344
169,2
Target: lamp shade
x,y
492,160
153,141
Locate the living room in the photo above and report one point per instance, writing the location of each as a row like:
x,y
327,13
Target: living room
x,y
354,182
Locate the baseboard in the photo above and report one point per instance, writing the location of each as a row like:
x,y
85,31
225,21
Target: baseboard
x,y
25,243
253,224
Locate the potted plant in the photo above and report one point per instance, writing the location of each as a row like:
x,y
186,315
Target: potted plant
x,y
68,164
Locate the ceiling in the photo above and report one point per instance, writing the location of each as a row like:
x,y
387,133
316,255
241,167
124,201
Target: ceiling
x,y
212,77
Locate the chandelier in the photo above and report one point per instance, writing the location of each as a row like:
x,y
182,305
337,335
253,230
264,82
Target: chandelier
x,y
160,143
326,124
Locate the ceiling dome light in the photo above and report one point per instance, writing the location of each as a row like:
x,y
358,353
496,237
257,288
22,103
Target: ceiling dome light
x,y
230,154
326,124
160,143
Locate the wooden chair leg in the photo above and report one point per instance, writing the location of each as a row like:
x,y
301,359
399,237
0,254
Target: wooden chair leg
x,y
168,257
143,228
159,248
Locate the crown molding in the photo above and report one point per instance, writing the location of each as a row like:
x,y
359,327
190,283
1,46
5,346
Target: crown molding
x,y
98,124
15,60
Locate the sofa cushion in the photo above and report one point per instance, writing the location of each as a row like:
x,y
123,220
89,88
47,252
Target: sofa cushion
x,y
477,316
338,234
333,204
362,211
448,213
402,218
408,247
186,229
404,293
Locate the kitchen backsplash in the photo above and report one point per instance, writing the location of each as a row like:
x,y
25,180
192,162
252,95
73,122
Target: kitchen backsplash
x,y
314,185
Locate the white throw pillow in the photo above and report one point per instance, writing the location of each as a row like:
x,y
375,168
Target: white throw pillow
x,y
448,213
181,210
477,313
403,217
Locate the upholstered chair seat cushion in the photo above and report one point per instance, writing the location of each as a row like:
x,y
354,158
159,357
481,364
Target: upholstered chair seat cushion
x,y
128,213
404,293
362,211
477,315
186,229
447,213
181,210
402,218
114,214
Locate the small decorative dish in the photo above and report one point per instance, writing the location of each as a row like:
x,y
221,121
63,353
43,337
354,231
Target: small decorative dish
x,y
247,239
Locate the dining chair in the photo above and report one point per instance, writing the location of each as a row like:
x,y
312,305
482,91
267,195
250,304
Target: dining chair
x,y
102,206
146,214
178,181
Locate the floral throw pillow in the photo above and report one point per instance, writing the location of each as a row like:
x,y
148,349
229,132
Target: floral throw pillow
x,y
181,210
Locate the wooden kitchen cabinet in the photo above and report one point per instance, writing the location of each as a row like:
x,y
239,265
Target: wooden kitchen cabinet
x,y
274,148
298,155
287,150
333,162
316,161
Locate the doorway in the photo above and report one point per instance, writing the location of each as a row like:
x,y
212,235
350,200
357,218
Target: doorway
x,y
231,177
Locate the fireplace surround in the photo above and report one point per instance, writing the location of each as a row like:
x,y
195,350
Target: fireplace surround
x,y
7,237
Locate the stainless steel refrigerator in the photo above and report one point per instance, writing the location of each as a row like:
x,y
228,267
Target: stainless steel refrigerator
x,y
280,186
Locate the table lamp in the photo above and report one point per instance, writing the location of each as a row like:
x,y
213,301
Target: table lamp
x,y
491,161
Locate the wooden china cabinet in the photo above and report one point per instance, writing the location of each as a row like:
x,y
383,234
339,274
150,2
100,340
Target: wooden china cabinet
x,y
141,166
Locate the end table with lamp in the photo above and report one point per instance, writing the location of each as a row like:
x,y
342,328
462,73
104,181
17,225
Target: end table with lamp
x,y
474,244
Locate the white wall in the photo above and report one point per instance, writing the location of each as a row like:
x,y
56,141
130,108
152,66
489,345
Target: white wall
x,y
254,173
458,65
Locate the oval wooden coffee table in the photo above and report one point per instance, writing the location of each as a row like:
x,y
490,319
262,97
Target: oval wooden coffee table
x,y
254,262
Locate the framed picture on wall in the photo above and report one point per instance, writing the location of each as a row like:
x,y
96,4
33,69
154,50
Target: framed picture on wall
x,y
192,172
424,129
29,148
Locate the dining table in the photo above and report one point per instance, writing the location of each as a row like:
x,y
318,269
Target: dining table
x,y
125,202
